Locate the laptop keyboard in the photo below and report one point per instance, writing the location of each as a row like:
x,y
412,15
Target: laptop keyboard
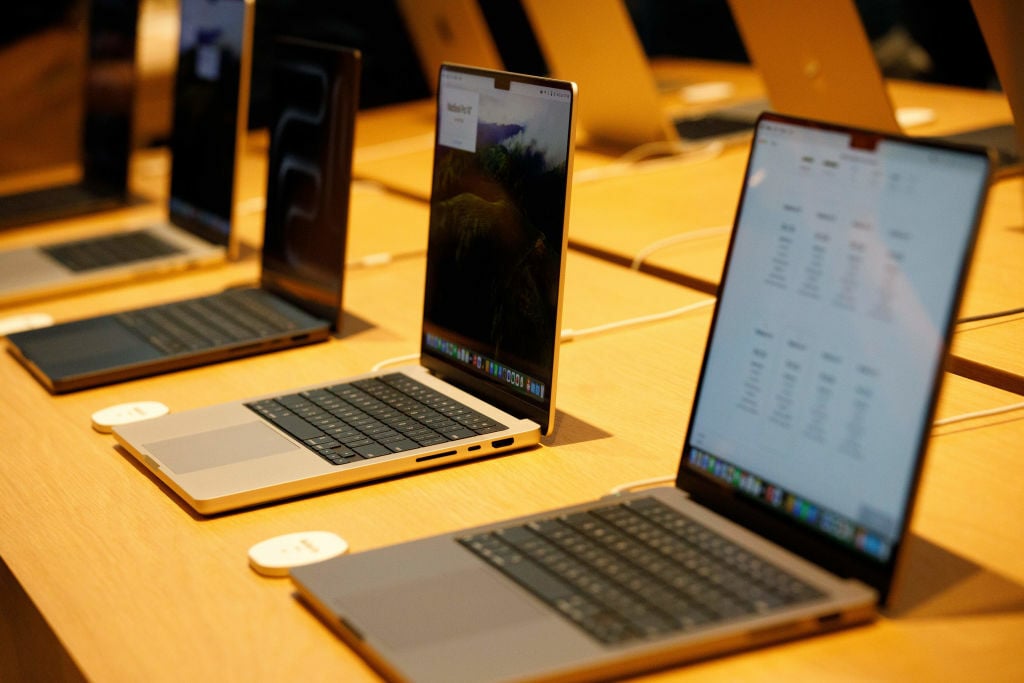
x,y
221,319
110,250
635,570
373,417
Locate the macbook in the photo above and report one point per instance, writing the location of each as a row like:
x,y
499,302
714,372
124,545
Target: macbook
x,y
449,31
91,134
831,72
488,344
298,301
211,95
998,20
596,44
799,468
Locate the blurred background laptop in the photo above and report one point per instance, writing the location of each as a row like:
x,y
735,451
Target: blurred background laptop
x,y
67,121
211,100
816,61
595,44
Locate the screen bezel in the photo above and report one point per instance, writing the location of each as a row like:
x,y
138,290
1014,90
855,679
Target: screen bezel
x,y
542,413
758,517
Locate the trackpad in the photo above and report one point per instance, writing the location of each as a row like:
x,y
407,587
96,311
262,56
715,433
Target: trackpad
x,y
219,447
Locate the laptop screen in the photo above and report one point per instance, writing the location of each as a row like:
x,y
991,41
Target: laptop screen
x,y
210,104
496,246
314,100
823,364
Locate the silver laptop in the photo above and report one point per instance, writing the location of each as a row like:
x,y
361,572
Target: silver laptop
x,y
449,31
595,44
299,297
211,100
798,472
489,341
831,73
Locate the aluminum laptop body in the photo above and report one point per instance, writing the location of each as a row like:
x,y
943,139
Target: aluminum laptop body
x,y
299,298
804,447
449,31
492,308
211,102
831,73
595,44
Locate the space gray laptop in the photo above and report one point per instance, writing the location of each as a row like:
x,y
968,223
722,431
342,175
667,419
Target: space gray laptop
x,y
832,73
595,44
489,341
211,102
799,468
299,297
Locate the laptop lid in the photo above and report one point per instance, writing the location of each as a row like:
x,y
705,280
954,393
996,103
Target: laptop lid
x,y
999,21
816,61
826,352
499,211
315,98
449,31
596,45
211,103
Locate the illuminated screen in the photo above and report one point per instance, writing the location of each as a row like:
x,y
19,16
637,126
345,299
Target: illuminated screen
x,y
208,87
829,336
497,215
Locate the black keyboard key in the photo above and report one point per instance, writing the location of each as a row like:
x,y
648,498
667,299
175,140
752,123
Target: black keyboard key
x,y
637,570
372,418
110,250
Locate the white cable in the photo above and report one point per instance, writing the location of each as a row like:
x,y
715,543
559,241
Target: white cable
x,y
636,160
658,245
381,259
654,481
393,148
979,413
393,361
641,483
570,334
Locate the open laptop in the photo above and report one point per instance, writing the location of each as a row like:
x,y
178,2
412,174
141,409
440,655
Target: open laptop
x,y
449,31
831,72
596,44
798,471
211,96
97,127
489,342
298,301
998,21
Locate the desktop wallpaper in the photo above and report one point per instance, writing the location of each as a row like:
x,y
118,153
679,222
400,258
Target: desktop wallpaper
x,y
496,231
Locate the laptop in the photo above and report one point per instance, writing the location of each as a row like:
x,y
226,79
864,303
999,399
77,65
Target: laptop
x,y
803,453
298,301
449,31
485,383
596,44
211,95
64,158
997,20
833,74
